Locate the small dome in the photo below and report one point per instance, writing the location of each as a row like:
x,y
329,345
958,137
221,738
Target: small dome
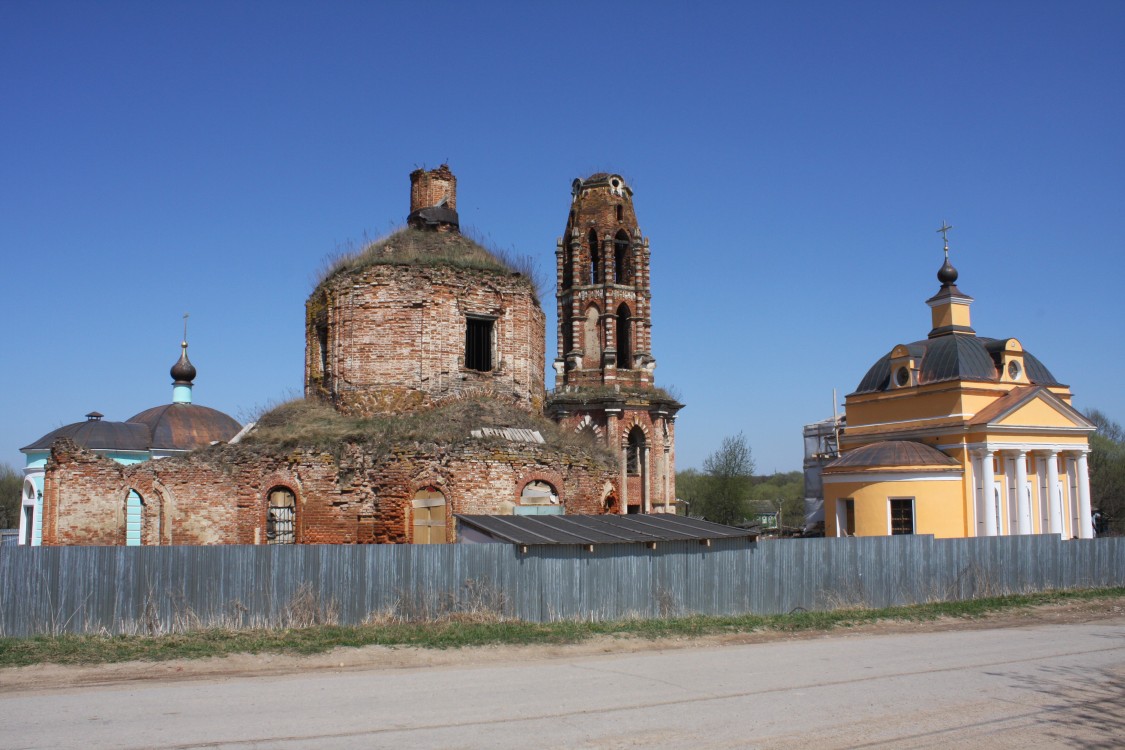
x,y
184,427
947,274
892,453
955,357
183,372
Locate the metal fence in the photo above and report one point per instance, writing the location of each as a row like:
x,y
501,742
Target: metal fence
x,y
167,589
9,537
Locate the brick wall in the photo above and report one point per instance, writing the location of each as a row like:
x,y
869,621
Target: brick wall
x,y
395,338
220,495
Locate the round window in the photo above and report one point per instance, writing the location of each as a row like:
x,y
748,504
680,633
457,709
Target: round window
x,y
902,376
1014,370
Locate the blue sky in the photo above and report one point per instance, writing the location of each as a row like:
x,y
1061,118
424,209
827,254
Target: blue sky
x,y
790,161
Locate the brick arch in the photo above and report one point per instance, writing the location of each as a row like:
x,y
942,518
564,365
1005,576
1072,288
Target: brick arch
x,y
426,480
272,482
150,507
587,422
552,478
627,427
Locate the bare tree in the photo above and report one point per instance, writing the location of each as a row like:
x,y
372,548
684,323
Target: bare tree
x,y
729,476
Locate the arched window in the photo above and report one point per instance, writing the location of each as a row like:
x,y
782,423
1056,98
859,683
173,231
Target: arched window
x,y
635,451
620,212
539,498
592,341
429,516
621,257
567,334
281,517
624,341
134,518
595,259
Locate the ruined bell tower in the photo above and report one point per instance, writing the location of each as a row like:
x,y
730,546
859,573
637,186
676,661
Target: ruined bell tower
x,y
604,370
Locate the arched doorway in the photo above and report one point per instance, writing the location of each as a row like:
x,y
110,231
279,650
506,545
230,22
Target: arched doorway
x,y
281,516
428,508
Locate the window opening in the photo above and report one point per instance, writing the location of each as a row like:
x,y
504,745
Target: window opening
x,y
567,334
568,270
429,516
620,257
595,259
620,213
624,344
134,506
902,516
322,342
539,499
849,517
478,344
634,451
281,517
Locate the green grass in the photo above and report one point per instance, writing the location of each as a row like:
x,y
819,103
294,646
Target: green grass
x,y
93,649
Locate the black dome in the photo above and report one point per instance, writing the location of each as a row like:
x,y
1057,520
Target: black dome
x,y
955,357
94,434
183,372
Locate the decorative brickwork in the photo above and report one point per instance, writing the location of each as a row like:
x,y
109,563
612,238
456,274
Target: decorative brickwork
x,y
604,369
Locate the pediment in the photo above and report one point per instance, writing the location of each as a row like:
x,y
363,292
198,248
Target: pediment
x,y
1032,408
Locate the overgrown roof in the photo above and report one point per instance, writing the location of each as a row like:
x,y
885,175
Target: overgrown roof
x,y
419,247
313,424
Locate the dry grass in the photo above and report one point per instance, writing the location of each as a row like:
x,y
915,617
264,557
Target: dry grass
x,y
309,423
427,248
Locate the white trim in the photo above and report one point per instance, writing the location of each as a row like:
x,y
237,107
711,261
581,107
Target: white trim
x,y
913,515
911,421
892,476
1028,447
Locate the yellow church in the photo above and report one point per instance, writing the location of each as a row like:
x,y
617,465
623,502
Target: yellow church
x,y
958,435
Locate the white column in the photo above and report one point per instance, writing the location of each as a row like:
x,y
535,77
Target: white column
x,y
1085,518
988,493
1021,493
1054,503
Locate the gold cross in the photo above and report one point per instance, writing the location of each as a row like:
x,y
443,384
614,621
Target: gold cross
x,y
944,232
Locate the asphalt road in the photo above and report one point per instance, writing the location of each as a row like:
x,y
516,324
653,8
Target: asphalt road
x,y
1038,686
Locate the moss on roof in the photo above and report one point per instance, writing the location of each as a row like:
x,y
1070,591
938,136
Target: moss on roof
x,y
313,424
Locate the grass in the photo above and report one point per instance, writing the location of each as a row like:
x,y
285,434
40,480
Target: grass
x,y
308,423
486,631
417,247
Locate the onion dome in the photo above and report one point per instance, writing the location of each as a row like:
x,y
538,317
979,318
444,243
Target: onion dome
x,y
947,274
183,372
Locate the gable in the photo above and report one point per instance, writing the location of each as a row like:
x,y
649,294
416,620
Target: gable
x,y
1033,407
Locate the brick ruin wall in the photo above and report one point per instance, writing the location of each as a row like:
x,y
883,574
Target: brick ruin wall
x,y
395,338
219,496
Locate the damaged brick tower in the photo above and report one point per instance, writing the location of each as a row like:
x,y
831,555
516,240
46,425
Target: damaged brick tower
x,y
604,382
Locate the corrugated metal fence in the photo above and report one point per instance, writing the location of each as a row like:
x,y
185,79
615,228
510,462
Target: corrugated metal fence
x,y
163,589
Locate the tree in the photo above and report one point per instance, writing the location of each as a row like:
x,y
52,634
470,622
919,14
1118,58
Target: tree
x,y
728,476
11,485
1107,470
781,489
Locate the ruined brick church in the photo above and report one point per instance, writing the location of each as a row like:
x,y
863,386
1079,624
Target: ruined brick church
x,y
424,399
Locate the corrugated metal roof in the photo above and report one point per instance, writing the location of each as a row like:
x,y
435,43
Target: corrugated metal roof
x,y
604,529
892,453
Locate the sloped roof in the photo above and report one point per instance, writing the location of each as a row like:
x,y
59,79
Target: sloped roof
x,y
604,529
95,434
1001,407
892,453
955,357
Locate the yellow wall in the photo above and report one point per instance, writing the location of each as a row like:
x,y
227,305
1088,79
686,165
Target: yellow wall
x,y
939,506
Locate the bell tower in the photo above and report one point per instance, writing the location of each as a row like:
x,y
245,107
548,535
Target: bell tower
x,y
604,369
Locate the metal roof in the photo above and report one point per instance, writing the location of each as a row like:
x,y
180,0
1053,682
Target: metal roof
x,y
186,426
95,434
955,357
891,453
603,529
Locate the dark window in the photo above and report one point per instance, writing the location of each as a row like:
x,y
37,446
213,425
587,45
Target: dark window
x,y
567,334
902,516
620,257
281,517
849,516
28,524
568,270
322,341
478,344
595,259
620,213
624,344
634,452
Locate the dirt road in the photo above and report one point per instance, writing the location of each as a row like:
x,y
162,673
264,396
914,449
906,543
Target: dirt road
x,y
1051,677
